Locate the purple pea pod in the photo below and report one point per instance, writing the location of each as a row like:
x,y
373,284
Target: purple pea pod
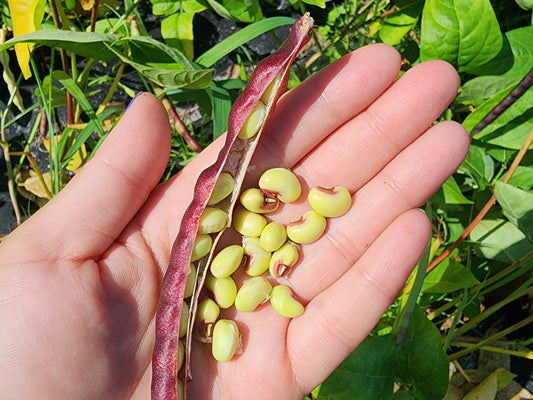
x,y
245,121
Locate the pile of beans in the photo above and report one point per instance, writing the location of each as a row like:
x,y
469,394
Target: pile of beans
x,y
269,250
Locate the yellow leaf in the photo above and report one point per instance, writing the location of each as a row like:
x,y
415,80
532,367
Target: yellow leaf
x,y
26,17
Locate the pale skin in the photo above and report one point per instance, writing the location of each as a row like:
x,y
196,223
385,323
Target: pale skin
x,y
80,280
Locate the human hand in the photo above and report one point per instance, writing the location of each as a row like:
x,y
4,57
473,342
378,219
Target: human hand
x,y
80,280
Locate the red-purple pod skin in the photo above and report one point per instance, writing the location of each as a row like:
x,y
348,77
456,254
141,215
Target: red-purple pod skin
x,y
164,361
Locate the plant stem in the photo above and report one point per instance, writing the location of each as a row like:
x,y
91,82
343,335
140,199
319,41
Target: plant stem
x,y
518,158
491,310
58,21
178,124
491,339
112,89
497,280
10,175
495,349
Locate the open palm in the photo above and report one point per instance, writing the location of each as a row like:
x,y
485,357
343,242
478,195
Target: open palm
x,y
80,280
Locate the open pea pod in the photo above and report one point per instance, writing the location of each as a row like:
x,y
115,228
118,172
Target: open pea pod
x,y
246,118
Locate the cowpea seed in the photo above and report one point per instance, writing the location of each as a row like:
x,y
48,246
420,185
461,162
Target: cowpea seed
x,y
227,261
179,389
283,260
184,317
253,122
226,340
271,89
189,283
258,258
212,220
223,187
284,303
255,200
181,355
252,293
282,183
248,223
201,247
307,229
330,201
224,290
206,315
273,236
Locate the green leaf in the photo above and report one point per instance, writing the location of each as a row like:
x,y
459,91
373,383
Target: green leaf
x,y
493,383
479,166
525,4
420,361
463,32
145,50
365,374
448,277
80,98
239,38
238,10
221,101
318,3
177,30
516,56
85,44
171,75
511,128
517,205
165,7
498,239
399,23
85,134
369,372
479,89
452,193
522,177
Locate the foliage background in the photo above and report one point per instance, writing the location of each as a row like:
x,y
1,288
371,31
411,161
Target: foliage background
x,y
61,95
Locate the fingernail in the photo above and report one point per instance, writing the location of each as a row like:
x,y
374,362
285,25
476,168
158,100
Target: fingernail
x,y
421,210
132,100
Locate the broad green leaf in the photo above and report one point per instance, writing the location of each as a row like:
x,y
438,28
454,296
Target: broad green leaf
x,y
165,7
525,4
239,38
479,166
365,374
462,32
452,193
492,384
419,362
511,128
26,17
522,177
146,50
477,90
399,23
516,56
171,75
448,277
499,239
238,10
517,205
318,3
91,45
177,31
